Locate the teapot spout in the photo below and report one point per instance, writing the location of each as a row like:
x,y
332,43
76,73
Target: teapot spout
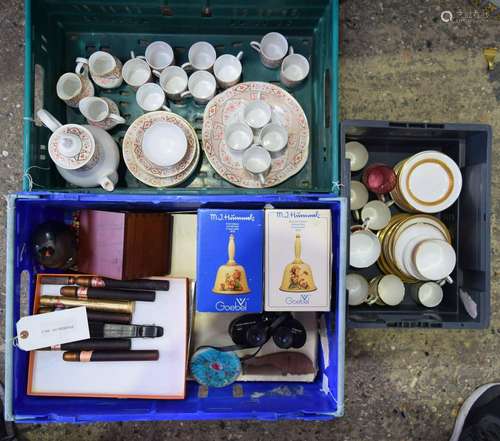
x,y
108,183
48,120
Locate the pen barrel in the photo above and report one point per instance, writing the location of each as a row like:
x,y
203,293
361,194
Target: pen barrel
x,y
58,280
109,317
122,306
139,284
84,293
87,356
109,344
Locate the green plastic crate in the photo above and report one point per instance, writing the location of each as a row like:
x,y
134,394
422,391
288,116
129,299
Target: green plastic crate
x,y
57,31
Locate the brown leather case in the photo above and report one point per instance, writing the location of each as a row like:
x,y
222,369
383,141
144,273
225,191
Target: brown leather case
x,y
124,245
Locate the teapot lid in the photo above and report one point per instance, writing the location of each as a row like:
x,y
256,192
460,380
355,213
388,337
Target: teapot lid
x,y
71,146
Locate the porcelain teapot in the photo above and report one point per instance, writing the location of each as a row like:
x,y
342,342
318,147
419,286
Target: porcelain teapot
x,y
85,155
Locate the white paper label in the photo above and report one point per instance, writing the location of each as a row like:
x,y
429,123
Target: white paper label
x,y
53,328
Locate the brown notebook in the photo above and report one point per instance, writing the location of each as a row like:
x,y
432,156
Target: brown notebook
x,y
123,245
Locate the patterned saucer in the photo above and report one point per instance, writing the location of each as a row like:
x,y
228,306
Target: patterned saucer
x,y
136,168
135,134
226,107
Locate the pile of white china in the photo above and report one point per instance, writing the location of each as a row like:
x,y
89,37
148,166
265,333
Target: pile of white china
x,y
412,249
162,151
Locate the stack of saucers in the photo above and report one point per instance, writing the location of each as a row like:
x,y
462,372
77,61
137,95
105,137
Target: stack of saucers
x,y
428,182
416,248
161,149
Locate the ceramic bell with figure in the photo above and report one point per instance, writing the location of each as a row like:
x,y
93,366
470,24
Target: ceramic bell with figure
x,y
231,277
297,276
85,155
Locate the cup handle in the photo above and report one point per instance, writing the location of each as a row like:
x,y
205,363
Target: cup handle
x,y
164,107
255,45
356,214
187,66
157,73
447,279
262,179
240,55
82,65
186,94
117,118
390,202
48,120
365,223
290,51
132,54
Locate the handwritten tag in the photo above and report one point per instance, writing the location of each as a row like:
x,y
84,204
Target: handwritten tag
x,y
52,328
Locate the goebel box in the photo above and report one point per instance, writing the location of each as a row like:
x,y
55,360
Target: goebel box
x,y
230,261
298,260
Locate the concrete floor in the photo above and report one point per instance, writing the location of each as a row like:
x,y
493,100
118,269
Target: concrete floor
x,y
398,62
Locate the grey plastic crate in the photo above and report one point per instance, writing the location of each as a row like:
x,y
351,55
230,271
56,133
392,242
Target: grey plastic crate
x,y
468,219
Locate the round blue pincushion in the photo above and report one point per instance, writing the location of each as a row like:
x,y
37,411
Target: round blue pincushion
x,y
214,368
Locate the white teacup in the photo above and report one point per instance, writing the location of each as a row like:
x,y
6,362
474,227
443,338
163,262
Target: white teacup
x,y
364,248
257,114
164,144
435,259
386,290
274,138
294,70
376,214
238,136
272,49
159,55
97,110
173,80
357,153
359,195
201,86
136,71
72,88
201,56
428,294
151,97
104,68
227,70
357,289
257,161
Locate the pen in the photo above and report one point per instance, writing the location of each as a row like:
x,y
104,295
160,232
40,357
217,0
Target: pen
x,y
86,356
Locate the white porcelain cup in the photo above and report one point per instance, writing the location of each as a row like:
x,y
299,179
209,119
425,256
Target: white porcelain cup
x,y
294,70
435,259
359,195
257,161
97,110
357,289
72,88
357,154
164,144
376,214
173,80
364,248
274,138
238,136
257,114
272,49
386,290
104,68
201,56
428,294
136,71
227,70
151,97
159,55
201,87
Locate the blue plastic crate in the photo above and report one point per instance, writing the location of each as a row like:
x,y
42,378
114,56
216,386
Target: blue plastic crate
x,y
322,399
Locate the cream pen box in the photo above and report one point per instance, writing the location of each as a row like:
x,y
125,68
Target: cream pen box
x,y
298,260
